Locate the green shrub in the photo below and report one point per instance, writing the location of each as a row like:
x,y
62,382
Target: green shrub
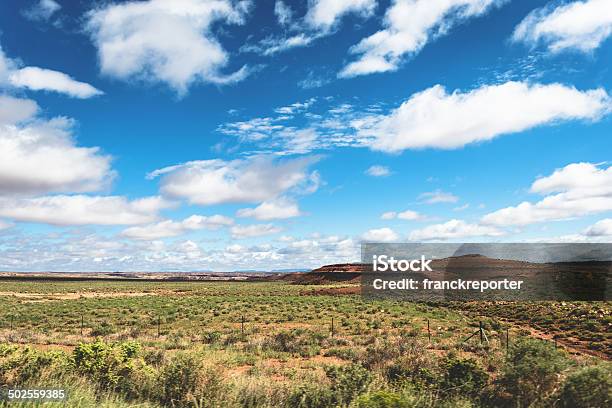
x,y
531,372
463,376
347,382
589,387
115,367
178,380
211,337
20,365
383,399
343,353
311,397
103,329
304,343
420,377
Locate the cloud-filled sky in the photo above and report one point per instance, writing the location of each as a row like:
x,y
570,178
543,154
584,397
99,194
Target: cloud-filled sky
x,y
196,135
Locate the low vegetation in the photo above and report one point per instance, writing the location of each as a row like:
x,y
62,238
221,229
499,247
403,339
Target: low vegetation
x,y
270,345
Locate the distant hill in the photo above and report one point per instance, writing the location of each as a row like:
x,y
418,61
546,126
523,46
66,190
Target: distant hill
x,y
344,267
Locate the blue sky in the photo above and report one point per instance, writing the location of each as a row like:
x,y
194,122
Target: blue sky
x,y
220,135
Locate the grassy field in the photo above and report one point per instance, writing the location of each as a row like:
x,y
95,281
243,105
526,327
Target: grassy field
x,y
270,344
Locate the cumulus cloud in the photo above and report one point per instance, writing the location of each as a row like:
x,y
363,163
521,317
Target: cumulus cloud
x,y
378,171
65,210
277,209
252,180
43,10
438,196
380,235
453,229
255,230
407,215
16,110
602,228
13,75
408,26
575,190
170,228
165,41
579,25
435,119
41,156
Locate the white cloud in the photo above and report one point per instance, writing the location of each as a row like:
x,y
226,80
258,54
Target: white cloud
x,y
435,119
250,180
433,197
378,171
273,45
580,25
43,10
407,215
575,190
169,228
253,129
82,210
277,209
296,107
408,26
283,13
325,14
321,19
165,41
461,207
380,235
39,79
453,229
42,156
602,228
15,110
4,225
255,230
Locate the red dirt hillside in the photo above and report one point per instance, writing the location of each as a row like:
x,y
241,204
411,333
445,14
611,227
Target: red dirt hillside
x,y
327,274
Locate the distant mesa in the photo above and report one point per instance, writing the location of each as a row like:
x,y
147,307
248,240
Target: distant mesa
x,y
343,267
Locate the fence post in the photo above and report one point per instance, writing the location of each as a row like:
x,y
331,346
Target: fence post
x,y
332,327
82,325
507,339
428,331
481,332
242,325
158,326
11,323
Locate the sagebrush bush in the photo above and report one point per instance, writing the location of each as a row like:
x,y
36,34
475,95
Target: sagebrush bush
x,y
463,376
588,387
21,365
115,367
383,399
302,342
311,396
347,382
178,380
530,374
